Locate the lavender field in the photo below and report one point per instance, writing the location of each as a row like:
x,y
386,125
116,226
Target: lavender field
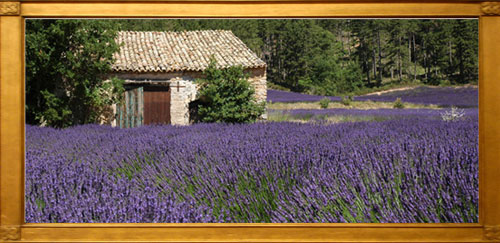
x,y
465,97
410,169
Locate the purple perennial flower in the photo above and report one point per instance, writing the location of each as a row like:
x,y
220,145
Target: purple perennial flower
x,y
414,169
441,96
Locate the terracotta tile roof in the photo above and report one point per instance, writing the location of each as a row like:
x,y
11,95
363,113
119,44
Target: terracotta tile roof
x,y
181,51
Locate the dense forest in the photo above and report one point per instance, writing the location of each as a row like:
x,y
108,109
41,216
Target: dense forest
x,y
332,57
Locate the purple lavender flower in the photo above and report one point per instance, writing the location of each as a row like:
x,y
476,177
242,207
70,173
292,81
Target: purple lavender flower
x,y
465,97
413,169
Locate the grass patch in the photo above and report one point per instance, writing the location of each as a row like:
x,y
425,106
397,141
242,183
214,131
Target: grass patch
x,y
285,117
304,118
340,119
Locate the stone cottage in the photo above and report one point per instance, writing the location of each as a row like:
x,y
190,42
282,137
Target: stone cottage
x,y
159,69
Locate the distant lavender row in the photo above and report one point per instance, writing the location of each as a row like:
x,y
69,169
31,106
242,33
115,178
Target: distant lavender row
x,y
442,96
402,170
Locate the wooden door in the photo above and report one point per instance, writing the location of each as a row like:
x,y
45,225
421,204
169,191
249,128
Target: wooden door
x,y
156,105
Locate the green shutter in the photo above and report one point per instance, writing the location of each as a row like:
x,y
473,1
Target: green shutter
x,y
130,112
140,104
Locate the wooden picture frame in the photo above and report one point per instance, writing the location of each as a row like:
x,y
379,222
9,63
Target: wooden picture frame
x,y
13,229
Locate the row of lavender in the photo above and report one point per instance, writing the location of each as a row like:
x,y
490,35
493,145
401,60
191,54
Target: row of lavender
x,y
442,96
401,170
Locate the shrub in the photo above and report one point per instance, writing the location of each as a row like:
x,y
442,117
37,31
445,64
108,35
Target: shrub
x,y
398,104
454,114
444,83
323,103
346,100
227,96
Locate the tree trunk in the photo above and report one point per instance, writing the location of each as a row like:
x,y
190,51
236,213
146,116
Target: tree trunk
x,y
379,79
409,58
450,65
365,64
374,60
425,61
449,51
399,60
415,60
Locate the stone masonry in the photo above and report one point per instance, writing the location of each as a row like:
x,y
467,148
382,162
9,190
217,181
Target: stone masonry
x,y
259,82
182,92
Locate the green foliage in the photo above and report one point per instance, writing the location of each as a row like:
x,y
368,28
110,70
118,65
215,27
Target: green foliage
x,y
323,103
66,66
466,56
227,96
444,83
426,51
398,104
328,77
276,87
346,100
55,109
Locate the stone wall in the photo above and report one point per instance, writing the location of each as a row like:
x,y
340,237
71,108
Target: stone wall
x,y
182,92
259,81
187,91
